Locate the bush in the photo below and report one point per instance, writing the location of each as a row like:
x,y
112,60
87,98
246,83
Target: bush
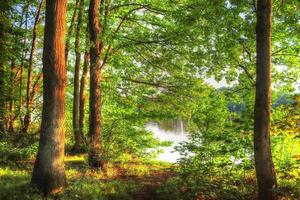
x,y
11,154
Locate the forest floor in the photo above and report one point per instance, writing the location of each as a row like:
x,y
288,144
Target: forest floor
x,y
131,179
148,183
124,180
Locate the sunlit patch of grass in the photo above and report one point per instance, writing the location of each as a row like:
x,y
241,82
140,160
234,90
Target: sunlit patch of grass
x,y
73,173
94,185
125,158
142,168
75,158
136,170
121,180
116,183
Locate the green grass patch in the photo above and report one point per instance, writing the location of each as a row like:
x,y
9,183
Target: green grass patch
x,y
120,182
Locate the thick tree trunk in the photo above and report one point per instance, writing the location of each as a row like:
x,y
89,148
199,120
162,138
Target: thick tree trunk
x,y
95,125
76,129
27,117
265,172
49,170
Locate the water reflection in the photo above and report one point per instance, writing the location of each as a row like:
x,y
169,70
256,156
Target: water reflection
x,y
169,130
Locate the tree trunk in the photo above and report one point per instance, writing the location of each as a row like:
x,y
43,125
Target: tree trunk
x,y
2,91
70,32
27,117
95,123
82,96
3,82
11,101
23,57
76,128
49,170
264,166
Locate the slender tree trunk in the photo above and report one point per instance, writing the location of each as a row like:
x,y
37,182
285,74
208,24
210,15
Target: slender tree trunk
x,y
265,172
70,31
95,125
2,91
49,170
20,100
82,96
11,100
3,52
6,117
27,118
23,57
76,128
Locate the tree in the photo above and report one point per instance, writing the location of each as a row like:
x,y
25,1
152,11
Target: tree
x,y
7,52
70,30
49,171
30,93
76,100
82,96
264,166
2,102
95,93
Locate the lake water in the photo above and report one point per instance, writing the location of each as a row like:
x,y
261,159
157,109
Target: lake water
x,y
171,130
174,131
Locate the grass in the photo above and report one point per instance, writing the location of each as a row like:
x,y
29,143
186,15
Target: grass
x,y
129,178
122,180
135,179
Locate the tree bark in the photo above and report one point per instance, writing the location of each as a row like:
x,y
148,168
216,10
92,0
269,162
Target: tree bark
x,y
82,96
2,89
264,166
23,57
2,81
49,170
95,124
76,129
27,117
70,32
11,100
